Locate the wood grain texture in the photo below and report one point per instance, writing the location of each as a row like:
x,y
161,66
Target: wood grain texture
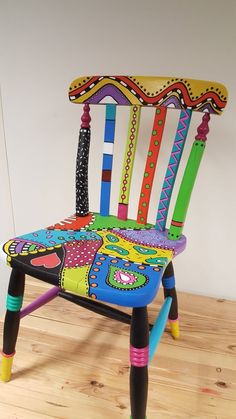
x,y
71,364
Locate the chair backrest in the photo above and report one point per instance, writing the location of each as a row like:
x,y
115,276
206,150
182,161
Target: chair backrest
x,y
163,93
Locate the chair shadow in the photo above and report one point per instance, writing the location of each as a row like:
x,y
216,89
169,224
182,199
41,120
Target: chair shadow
x,y
81,347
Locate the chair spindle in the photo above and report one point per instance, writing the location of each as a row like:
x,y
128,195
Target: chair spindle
x,y
82,200
149,172
109,137
172,169
188,180
132,136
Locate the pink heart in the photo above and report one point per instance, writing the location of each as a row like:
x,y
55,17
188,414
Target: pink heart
x,y
48,261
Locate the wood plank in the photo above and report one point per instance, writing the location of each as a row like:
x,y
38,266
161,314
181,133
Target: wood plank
x,y
72,363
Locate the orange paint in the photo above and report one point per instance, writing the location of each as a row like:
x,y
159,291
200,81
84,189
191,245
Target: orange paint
x,y
151,162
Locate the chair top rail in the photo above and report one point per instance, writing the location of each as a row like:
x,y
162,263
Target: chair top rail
x,y
169,92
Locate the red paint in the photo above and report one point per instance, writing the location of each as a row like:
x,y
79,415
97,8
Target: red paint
x,y
207,390
48,261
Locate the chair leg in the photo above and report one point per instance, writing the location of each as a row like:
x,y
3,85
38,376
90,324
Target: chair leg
x,y
12,321
139,355
168,282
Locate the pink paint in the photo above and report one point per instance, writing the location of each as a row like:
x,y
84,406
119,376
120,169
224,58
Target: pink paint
x,y
203,128
8,356
207,390
173,321
122,211
86,117
139,356
47,261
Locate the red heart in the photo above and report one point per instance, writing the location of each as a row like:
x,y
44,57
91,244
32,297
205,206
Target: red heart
x,y
48,261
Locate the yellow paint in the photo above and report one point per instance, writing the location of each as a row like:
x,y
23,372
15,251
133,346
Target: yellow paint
x,y
152,86
174,328
6,368
134,255
76,279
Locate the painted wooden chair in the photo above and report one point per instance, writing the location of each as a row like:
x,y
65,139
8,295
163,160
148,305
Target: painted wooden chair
x,y
92,257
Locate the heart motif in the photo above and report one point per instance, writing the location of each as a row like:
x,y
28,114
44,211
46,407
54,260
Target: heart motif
x,y
48,261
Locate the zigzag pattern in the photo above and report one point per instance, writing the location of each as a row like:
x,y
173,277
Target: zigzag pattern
x,y
172,169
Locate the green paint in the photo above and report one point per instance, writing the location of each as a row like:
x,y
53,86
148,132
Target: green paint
x,y
157,261
111,238
160,122
186,188
151,165
14,303
109,222
32,247
116,280
150,153
142,195
147,186
146,174
120,250
144,250
156,142
154,132
144,204
158,111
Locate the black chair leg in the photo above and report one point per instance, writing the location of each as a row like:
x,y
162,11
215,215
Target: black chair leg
x,y
168,282
12,321
139,354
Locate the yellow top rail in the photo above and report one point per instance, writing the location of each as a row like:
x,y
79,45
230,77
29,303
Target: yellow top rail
x,y
170,92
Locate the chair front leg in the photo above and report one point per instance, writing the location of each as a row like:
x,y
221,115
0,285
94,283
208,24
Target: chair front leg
x,y
12,321
139,355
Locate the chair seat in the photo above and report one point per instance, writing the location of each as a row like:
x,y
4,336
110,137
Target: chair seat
x,y
104,258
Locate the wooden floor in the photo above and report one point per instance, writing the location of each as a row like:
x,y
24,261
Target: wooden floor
x,y
73,364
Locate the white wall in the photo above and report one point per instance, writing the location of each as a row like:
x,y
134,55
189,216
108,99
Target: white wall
x,y
6,216
48,43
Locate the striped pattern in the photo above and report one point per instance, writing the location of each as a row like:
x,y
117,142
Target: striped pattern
x,y
107,159
153,152
172,169
135,112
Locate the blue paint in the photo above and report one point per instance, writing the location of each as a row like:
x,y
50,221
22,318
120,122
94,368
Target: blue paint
x,y
109,137
105,198
159,327
168,283
111,111
137,297
49,238
107,161
109,131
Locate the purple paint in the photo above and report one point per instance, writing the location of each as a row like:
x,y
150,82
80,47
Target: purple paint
x,y
40,301
154,238
109,90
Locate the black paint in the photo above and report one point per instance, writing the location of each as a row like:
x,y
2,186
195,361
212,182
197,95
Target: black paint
x,y
12,318
82,201
139,338
173,314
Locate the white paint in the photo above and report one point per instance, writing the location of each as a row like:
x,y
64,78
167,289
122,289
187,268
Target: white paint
x,y
47,44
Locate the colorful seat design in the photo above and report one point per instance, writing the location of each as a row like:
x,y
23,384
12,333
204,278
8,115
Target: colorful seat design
x,y
91,258
98,257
